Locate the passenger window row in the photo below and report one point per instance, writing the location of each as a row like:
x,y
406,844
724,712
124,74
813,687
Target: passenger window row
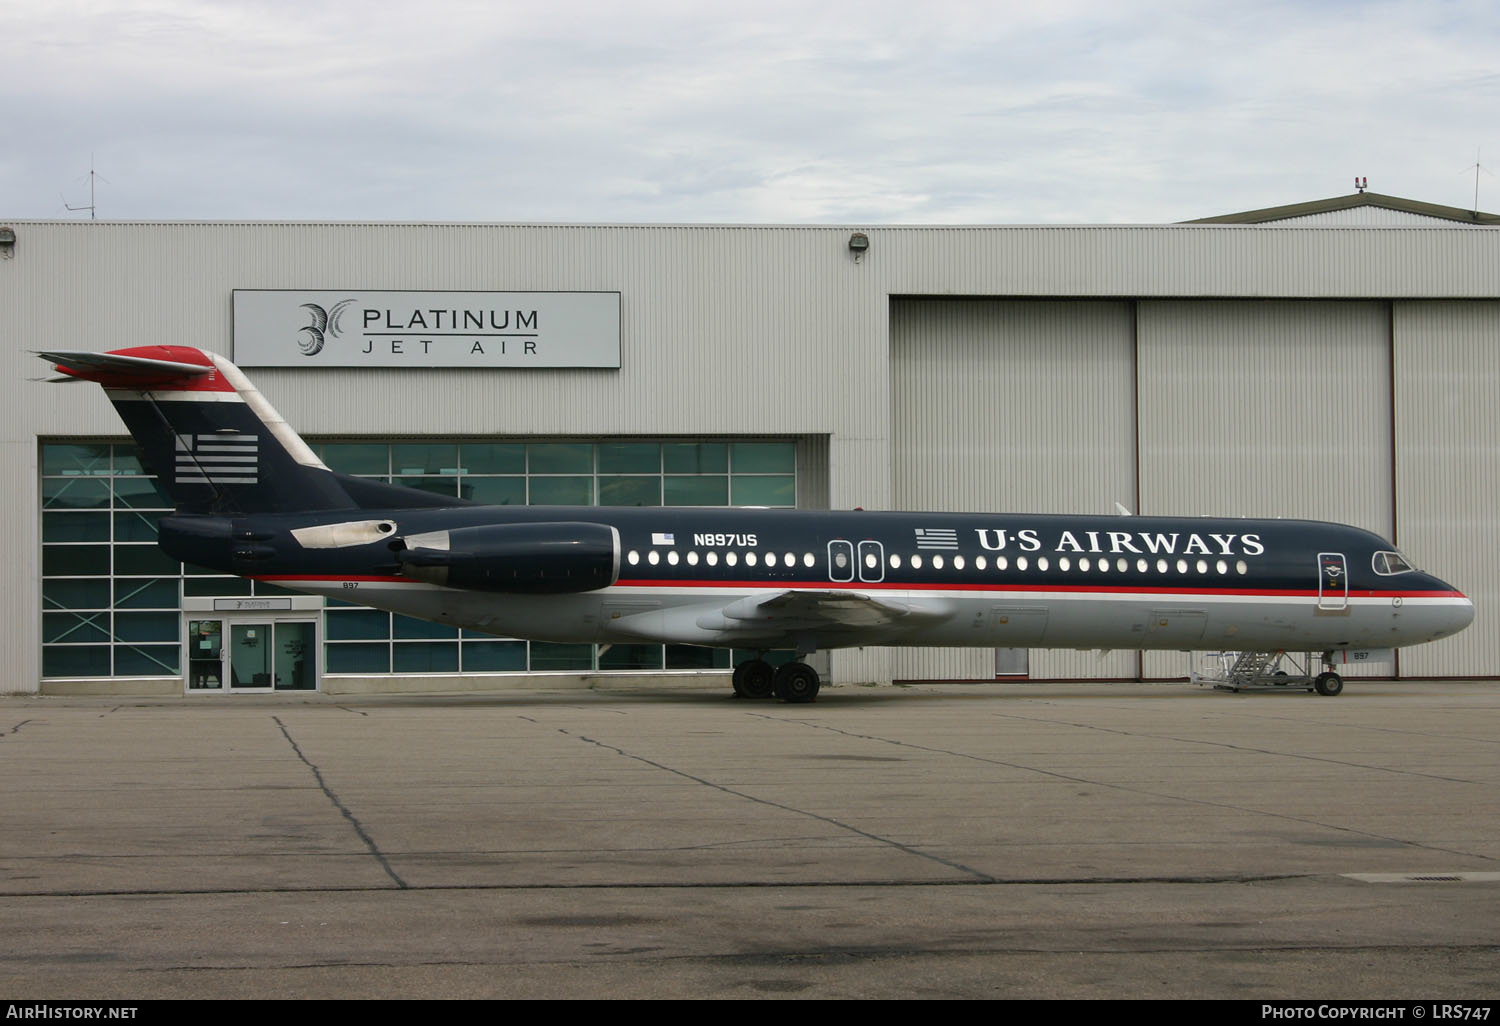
x,y
1066,564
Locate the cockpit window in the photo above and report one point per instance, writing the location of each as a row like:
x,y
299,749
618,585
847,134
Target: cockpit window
x,y
1391,563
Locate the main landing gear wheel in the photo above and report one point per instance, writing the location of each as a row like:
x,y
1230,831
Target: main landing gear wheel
x,y
796,682
1328,684
753,678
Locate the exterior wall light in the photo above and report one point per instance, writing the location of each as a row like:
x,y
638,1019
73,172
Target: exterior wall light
x,y
7,242
858,243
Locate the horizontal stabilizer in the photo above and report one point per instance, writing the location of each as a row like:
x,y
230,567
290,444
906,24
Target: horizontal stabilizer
x,y
114,370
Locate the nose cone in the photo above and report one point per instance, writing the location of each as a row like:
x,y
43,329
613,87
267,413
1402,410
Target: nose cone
x,y
1453,610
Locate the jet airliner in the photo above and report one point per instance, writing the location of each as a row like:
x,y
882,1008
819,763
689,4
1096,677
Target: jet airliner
x,y
251,498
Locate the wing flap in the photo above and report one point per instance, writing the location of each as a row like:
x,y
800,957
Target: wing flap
x,y
803,610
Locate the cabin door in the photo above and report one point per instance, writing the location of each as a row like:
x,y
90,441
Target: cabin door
x,y
1333,581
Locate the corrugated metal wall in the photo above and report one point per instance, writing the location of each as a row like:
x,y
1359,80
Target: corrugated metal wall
x,y
1448,468
780,331
723,332
1245,408
1265,409
1024,406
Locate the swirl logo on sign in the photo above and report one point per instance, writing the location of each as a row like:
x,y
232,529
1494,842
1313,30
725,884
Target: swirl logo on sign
x,y
324,324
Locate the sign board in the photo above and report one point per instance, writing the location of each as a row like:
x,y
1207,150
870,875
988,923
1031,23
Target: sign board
x,y
251,604
346,328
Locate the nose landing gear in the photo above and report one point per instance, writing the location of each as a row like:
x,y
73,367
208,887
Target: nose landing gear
x,y
1328,684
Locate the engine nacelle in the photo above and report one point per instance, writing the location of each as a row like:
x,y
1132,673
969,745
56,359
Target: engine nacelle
x,y
537,559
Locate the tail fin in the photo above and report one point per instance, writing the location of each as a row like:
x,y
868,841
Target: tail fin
x,y
213,440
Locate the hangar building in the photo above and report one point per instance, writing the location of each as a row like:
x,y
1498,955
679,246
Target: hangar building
x,y
1336,360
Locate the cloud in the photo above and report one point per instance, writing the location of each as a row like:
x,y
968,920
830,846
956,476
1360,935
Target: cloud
x,y
766,112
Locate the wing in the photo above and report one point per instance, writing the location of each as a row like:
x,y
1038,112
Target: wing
x,y
803,612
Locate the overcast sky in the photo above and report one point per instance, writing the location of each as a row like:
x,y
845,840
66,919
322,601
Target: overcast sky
x,y
909,112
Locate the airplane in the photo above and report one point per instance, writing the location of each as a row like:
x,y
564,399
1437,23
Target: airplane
x,y
252,499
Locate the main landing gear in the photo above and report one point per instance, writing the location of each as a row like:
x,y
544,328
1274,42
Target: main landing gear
x,y
790,682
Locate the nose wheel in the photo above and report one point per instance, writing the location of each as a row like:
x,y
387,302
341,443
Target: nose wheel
x,y
791,682
1328,684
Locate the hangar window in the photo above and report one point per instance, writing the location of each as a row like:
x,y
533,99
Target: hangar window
x,y
110,598
112,602
547,491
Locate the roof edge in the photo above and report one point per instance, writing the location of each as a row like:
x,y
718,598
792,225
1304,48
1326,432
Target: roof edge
x,y
1358,199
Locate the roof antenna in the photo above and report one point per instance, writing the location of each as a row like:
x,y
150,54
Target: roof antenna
x,y
92,176
1477,167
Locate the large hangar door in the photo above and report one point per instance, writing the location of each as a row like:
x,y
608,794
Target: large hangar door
x,y
1448,468
1012,405
1265,408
